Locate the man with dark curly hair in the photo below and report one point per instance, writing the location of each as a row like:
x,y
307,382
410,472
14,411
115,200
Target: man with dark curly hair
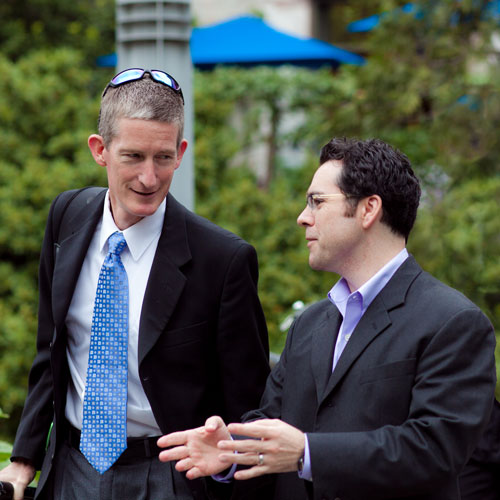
x,y
385,386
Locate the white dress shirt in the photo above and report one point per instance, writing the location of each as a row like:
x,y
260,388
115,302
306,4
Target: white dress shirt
x,y
142,240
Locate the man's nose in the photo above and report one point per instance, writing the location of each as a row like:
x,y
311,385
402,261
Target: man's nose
x,y
305,217
147,176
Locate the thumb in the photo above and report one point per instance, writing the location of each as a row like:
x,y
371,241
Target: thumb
x,y
214,423
18,492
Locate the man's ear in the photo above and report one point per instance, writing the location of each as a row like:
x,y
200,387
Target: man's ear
x,y
180,152
96,146
371,210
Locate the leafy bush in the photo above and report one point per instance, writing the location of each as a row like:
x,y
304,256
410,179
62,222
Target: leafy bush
x,y
429,88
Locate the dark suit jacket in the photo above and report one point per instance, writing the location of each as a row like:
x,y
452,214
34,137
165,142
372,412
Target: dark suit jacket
x,y
480,479
203,347
403,409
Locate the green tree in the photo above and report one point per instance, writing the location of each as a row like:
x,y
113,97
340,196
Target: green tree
x,y
458,234
46,114
86,25
430,86
226,188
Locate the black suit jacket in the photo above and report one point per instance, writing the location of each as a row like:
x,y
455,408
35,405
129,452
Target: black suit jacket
x,y
406,403
480,479
203,347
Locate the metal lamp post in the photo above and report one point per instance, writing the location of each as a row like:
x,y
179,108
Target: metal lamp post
x,y
155,34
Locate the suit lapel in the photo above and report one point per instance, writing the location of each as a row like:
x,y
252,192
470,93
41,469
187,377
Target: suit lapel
x,y
375,320
166,281
70,256
323,342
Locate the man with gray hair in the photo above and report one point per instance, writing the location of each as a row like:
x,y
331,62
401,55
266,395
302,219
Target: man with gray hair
x,y
149,319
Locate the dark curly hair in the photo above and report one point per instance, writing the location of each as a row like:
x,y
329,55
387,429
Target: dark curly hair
x,y
374,167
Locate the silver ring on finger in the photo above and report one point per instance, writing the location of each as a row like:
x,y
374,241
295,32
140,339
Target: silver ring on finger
x,y
261,459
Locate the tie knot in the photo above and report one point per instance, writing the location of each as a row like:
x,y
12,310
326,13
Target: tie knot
x,y
116,243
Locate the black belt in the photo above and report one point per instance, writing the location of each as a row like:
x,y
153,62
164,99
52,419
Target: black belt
x,y
137,448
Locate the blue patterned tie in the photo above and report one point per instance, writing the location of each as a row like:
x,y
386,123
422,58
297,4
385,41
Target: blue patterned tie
x,y
104,429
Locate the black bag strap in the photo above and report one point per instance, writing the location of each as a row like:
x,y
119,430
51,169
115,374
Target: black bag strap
x,y
67,205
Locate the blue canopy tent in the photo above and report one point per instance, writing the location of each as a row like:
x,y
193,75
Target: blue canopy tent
x,y
249,41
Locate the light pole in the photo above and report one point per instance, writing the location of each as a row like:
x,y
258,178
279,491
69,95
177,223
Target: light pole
x,y
155,34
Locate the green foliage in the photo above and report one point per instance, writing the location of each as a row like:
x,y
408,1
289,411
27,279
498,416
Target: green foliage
x,y
465,253
5,450
86,25
267,220
46,114
226,185
430,86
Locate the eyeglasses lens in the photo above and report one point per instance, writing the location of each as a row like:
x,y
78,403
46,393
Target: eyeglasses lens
x,y
162,77
127,76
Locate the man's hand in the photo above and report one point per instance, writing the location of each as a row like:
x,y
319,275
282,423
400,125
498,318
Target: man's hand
x,y
20,474
196,449
277,448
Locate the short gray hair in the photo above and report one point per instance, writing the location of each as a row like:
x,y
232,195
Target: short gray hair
x,y
142,99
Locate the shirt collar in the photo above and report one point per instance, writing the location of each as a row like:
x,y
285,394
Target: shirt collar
x,y
340,292
138,236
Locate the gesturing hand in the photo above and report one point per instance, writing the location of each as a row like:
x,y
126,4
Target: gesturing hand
x,y
277,448
196,449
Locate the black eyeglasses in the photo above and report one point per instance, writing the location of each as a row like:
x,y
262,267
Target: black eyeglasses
x,y
133,74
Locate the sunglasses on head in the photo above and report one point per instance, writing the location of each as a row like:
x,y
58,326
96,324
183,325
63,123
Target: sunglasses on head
x,y
133,74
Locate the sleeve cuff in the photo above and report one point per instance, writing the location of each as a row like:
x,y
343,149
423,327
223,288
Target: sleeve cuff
x,y
225,478
306,472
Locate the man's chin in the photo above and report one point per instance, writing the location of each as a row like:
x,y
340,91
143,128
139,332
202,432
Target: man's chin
x,y
316,265
313,264
145,206
146,212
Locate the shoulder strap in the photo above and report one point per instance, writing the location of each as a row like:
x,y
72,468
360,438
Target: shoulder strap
x,y
68,204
